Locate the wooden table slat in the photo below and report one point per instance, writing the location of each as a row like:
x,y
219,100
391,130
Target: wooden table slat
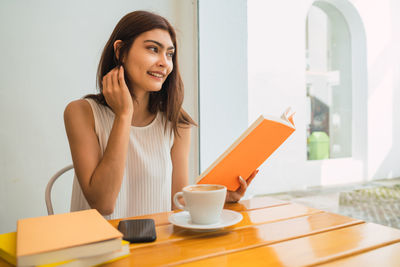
x,y
313,249
255,203
383,256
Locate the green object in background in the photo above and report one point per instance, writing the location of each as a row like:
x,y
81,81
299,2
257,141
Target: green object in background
x,y
318,145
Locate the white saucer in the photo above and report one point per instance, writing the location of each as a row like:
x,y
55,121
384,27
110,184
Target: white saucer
x,y
228,218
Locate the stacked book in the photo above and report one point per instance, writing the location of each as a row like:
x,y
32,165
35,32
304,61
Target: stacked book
x,y
82,238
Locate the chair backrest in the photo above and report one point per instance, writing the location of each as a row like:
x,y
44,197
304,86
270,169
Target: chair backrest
x,y
49,186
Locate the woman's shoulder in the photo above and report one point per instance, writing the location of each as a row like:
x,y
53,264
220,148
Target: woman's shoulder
x,y
78,106
78,110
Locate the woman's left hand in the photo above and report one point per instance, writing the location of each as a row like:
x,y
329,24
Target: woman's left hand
x,y
235,196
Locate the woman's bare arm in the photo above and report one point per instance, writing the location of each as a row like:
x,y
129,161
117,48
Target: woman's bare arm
x,y
100,177
180,160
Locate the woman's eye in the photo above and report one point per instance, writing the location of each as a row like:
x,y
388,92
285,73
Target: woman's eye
x,y
153,48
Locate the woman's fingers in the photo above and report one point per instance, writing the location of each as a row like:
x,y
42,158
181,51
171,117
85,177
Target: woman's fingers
x,y
107,84
116,92
251,177
235,196
121,77
243,186
111,81
245,183
114,79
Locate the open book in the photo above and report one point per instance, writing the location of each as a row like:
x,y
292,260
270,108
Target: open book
x,y
249,151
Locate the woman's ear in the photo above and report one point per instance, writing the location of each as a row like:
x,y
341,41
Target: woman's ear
x,y
117,46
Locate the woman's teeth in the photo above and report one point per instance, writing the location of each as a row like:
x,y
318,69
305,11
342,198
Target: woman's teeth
x,y
155,74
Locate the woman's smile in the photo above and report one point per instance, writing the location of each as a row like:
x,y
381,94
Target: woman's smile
x,y
156,74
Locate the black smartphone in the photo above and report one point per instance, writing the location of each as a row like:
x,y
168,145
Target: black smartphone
x,y
138,230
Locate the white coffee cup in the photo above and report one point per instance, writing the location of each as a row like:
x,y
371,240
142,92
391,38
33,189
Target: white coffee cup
x,y
204,202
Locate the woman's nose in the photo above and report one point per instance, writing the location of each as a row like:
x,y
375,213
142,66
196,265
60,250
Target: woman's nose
x,y
162,61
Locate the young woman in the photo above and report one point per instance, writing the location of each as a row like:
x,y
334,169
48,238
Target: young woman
x,y
130,143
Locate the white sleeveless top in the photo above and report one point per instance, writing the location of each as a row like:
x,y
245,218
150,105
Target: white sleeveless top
x,y
146,185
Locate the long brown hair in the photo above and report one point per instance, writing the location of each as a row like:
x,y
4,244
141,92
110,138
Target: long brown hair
x,y
170,98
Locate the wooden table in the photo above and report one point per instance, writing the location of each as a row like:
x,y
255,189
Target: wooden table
x,y
272,233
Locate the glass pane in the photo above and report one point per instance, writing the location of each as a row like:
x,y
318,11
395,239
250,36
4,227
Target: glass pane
x,y
328,77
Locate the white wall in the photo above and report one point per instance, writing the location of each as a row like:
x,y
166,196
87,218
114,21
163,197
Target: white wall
x,y
276,65
49,55
222,75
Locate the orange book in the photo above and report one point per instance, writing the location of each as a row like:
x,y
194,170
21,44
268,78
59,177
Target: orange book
x,y
61,237
8,253
249,151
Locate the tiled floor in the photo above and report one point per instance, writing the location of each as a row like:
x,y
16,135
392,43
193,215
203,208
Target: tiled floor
x,y
363,201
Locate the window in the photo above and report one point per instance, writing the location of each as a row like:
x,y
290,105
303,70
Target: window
x,y
328,84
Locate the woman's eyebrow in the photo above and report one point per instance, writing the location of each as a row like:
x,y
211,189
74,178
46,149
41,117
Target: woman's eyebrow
x,y
159,44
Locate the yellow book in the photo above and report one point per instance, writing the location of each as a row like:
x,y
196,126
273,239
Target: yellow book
x,y
8,253
7,247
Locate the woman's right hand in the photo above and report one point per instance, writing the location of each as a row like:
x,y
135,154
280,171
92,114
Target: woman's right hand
x,y
116,92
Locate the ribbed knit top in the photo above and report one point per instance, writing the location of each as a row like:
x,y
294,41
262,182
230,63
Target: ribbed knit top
x,y
146,185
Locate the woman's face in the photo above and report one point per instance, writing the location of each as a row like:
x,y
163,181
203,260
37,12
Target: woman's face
x,y
149,60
